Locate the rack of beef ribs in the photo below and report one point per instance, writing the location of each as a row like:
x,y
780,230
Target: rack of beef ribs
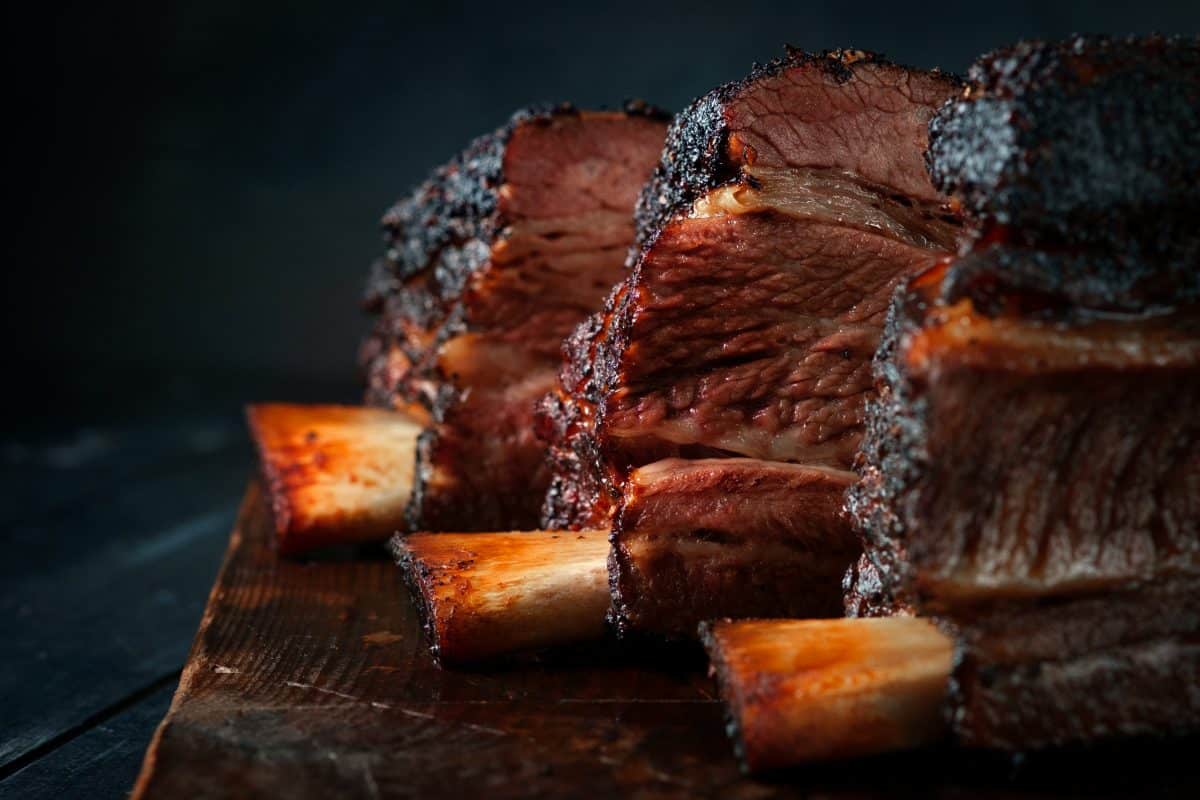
x,y
1030,474
490,263
710,413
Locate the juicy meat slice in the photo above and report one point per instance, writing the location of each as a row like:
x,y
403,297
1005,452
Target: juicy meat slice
x,y
704,538
1035,484
490,264
710,413
1103,409
844,111
785,210
754,332
1088,142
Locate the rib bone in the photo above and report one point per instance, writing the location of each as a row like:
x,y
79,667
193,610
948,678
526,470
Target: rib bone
x,y
808,690
489,594
334,474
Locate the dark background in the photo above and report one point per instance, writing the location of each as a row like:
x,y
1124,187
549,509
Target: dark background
x,y
198,184
195,189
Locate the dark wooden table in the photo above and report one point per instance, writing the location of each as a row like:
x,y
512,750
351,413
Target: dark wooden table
x,y
112,535
310,678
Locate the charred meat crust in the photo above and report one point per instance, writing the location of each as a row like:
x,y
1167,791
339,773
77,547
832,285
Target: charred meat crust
x,y
1086,143
891,459
697,157
1072,284
436,238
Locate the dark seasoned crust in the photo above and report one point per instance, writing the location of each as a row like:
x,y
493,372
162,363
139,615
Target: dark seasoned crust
x,y
890,460
1090,142
444,224
1066,283
698,155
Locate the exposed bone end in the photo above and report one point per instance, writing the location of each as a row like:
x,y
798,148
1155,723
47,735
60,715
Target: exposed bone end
x,y
489,594
334,474
811,690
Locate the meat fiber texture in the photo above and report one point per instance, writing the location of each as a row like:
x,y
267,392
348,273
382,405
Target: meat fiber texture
x,y
1031,471
710,413
490,263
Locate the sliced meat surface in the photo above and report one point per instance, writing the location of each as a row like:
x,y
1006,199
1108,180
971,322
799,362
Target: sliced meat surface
x,y
711,412
698,539
1031,470
1091,481
1035,484
490,265
786,209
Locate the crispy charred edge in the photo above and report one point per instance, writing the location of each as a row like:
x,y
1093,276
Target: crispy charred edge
x,y
696,156
418,579
864,593
719,670
619,568
891,460
272,478
1089,141
568,420
422,473
436,237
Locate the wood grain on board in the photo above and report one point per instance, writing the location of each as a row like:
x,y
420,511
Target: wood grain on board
x,y
111,537
314,676
312,679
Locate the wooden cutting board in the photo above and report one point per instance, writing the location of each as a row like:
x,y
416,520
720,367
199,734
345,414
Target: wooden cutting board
x,y
312,679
